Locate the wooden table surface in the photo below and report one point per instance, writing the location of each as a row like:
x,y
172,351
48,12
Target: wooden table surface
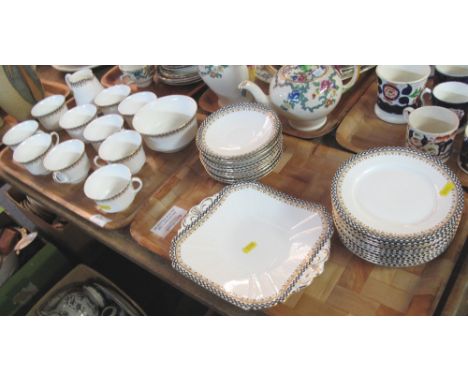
x,y
121,242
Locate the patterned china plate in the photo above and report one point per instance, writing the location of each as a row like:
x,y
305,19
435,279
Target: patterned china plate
x,y
239,131
396,192
253,245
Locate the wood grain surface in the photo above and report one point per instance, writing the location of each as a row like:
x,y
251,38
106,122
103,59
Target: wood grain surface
x,y
348,285
361,130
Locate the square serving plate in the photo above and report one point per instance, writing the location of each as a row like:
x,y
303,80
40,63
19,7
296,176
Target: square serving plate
x,y
252,245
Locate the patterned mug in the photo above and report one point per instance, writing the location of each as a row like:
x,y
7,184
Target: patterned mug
x,y
399,87
463,158
451,95
446,73
431,129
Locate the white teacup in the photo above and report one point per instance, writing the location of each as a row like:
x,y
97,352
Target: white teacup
x,y
141,75
108,99
102,127
68,162
49,110
111,188
19,133
167,124
124,147
31,152
431,129
75,120
130,105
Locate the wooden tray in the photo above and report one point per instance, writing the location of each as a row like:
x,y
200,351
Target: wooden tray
x,y
112,77
158,168
361,130
209,103
348,285
54,87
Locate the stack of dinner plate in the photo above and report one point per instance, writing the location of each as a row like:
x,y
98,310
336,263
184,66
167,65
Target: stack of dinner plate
x,y
240,142
178,74
395,206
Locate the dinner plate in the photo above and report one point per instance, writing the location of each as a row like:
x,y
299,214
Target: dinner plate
x,y
252,244
238,131
396,192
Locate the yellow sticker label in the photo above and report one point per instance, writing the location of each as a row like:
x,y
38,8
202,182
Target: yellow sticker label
x,y
249,247
104,207
446,189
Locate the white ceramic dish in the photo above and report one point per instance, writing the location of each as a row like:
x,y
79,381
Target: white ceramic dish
x,y
49,110
75,120
111,188
396,192
108,99
19,133
130,105
124,147
167,124
68,162
72,68
102,127
252,244
238,130
31,152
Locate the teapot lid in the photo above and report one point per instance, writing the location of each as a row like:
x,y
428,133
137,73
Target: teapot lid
x,y
303,73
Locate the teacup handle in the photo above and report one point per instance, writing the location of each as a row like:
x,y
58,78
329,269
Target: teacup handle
x,y
67,80
424,92
60,177
55,136
96,160
406,112
354,78
139,182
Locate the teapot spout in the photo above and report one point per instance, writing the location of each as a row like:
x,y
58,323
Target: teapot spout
x,y
255,91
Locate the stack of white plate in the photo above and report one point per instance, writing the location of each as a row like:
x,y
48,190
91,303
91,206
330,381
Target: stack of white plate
x,y
396,207
240,142
178,75
253,245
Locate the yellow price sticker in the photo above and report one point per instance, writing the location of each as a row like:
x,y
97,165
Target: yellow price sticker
x,y
104,207
446,189
249,247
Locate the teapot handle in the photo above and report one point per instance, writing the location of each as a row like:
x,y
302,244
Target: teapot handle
x,y
354,78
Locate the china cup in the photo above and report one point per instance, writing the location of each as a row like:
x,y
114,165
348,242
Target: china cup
x,y
446,73
141,75
451,95
124,147
49,110
31,152
431,129
68,162
108,99
19,133
399,86
463,158
102,127
75,120
130,105
112,188
167,124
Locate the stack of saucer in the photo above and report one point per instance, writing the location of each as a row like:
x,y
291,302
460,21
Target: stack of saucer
x,y
240,142
178,74
396,207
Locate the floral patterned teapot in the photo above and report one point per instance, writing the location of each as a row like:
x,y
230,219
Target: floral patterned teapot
x,y
304,94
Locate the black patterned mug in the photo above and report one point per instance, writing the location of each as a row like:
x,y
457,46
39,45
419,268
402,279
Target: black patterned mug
x,y
446,73
399,87
431,129
463,158
451,95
